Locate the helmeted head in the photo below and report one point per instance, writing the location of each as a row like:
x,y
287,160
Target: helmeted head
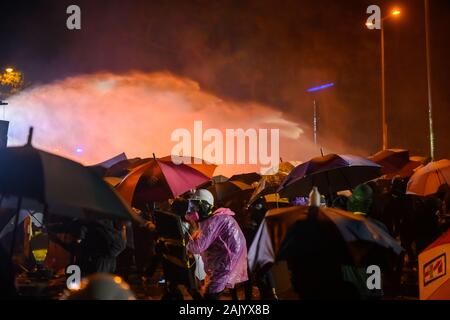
x,y
361,199
102,286
200,207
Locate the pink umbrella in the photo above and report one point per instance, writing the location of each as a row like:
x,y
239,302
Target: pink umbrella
x,y
161,179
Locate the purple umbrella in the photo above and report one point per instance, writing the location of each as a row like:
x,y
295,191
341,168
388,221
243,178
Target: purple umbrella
x,y
330,173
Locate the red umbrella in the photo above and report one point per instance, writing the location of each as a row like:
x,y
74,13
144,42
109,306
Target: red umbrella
x,y
161,179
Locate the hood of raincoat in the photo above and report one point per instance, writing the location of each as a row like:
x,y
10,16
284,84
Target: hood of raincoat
x,y
223,211
223,249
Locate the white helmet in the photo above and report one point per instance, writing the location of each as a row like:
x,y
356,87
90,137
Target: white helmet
x,y
204,195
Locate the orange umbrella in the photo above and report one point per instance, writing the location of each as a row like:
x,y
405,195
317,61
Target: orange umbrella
x,y
428,179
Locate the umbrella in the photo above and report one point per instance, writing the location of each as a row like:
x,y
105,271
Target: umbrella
x,y
10,221
330,173
428,179
270,183
110,162
161,179
101,168
219,178
42,180
123,167
230,189
112,181
434,270
284,166
395,162
351,235
51,184
273,200
248,178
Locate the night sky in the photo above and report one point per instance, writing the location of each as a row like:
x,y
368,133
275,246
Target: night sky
x,y
262,50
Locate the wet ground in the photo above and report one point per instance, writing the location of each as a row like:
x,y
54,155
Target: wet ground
x,y
153,288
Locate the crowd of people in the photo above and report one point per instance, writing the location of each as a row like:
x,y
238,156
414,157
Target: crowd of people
x,y
215,241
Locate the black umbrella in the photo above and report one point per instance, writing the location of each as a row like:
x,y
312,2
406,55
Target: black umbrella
x,y
308,231
48,183
247,178
330,173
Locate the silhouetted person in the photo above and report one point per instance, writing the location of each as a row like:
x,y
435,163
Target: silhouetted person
x,y
314,260
7,276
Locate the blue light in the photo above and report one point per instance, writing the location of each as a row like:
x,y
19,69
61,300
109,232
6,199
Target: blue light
x,y
79,150
320,87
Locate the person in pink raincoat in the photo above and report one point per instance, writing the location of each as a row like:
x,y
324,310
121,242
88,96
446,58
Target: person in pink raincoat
x,y
220,242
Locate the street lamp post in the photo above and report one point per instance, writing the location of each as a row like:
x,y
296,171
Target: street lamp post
x,y
430,101
384,124
315,109
383,92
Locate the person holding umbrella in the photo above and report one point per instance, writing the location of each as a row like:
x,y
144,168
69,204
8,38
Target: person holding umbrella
x,y
97,243
220,241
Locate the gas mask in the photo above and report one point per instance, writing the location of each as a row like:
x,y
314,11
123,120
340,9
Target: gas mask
x,y
198,210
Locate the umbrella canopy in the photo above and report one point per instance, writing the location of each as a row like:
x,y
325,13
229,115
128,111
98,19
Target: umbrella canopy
x,y
9,220
428,179
219,179
123,167
230,189
351,234
284,166
434,270
273,200
247,178
330,173
395,162
161,179
101,168
270,183
61,186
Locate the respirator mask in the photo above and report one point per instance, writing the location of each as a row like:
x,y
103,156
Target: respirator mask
x,y
198,210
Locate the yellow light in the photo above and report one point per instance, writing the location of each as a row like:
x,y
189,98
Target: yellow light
x,y
40,255
396,12
9,70
117,280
